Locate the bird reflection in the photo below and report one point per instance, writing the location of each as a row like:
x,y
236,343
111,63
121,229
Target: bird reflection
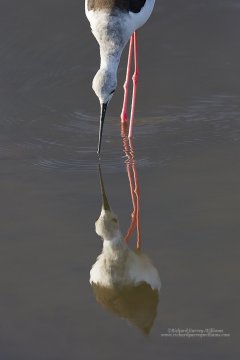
x,y
125,281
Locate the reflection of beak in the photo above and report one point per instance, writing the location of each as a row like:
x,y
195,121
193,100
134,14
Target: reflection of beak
x,y
105,204
102,117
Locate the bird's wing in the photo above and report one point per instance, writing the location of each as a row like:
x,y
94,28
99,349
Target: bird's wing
x,y
136,5
127,5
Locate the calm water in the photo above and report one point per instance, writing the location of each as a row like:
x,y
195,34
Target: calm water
x,y
186,143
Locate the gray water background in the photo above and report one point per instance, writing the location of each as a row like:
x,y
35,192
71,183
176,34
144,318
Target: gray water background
x,y
186,141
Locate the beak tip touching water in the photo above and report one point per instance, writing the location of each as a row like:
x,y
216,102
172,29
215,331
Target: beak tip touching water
x,y
102,117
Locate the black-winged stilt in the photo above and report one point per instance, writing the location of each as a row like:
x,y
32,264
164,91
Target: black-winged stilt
x,y
113,23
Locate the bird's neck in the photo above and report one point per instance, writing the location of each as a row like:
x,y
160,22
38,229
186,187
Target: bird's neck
x,y
110,60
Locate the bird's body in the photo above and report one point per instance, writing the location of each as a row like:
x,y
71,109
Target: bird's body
x,y
122,17
113,22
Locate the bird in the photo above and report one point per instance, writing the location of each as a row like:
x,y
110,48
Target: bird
x,y
124,281
114,23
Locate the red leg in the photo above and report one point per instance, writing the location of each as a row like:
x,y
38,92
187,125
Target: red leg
x,y
126,84
135,82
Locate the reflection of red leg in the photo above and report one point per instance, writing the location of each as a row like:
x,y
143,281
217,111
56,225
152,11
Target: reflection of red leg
x,y
134,188
126,84
134,213
135,82
137,193
129,160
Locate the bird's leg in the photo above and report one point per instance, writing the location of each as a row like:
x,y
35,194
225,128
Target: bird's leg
x,y
126,84
135,82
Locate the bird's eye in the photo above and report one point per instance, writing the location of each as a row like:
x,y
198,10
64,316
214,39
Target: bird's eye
x,y
115,220
112,91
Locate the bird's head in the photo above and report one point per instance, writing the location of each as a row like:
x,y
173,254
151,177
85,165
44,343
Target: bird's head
x,y
104,85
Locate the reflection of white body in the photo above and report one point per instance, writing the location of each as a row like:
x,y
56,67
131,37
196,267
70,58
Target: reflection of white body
x,y
124,281
118,264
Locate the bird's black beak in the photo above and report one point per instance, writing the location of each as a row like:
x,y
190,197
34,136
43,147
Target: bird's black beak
x,y
105,204
102,117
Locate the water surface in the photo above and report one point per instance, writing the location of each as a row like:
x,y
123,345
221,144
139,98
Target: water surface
x,y
186,143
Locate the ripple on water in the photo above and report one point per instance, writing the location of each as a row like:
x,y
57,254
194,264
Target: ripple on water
x,y
67,141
